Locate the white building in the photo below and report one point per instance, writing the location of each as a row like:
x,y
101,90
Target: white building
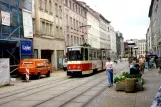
x,y
113,42
104,33
142,47
94,31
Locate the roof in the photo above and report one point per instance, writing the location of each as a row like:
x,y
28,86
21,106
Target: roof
x,y
150,8
104,19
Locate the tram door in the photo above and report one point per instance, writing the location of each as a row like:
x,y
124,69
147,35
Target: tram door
x,y
104,57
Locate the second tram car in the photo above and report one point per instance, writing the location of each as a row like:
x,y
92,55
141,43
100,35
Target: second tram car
x,y
85,60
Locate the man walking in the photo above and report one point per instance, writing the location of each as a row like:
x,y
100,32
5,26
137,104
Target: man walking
x,y
109,69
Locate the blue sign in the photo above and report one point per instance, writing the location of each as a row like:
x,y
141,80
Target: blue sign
x,y
26,47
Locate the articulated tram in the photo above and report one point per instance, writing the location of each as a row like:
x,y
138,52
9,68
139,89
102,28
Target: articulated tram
x,y
85,60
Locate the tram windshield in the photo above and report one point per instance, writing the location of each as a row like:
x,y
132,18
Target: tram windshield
x,y
75,54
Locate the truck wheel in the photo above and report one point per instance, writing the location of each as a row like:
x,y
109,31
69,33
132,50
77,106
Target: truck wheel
x,y
38,76
23,78
48,74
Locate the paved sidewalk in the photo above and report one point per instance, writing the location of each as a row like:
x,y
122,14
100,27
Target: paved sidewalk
x,y
112,98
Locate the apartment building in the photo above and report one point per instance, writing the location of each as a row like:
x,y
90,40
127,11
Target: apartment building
x,y
49,39
155,26
113,42
142,47
75,18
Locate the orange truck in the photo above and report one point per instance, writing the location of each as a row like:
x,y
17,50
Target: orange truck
x,y
36,67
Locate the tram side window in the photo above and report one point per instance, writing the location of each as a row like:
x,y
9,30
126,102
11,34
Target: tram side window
x,y
94,56
90,54
86,54
98,55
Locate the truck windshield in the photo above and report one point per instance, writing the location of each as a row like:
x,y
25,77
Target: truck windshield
x,y
74,54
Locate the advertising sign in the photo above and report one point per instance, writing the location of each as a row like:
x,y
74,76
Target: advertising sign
x,y
4,71
26,47
5,18
27,23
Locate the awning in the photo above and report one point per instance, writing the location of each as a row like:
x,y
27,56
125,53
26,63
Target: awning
x,y
7,44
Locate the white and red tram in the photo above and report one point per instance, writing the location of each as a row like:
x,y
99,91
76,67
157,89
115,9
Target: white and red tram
x,y
85,60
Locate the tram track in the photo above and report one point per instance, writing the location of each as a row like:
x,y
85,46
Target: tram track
x,y
42,89
30,88
64,104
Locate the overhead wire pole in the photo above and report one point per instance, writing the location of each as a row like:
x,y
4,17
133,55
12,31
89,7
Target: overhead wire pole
x,y
85,26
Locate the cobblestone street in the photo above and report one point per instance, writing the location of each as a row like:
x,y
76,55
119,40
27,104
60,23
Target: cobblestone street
x,y
112,98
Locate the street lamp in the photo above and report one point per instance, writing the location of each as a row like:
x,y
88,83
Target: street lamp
x,y
131,44
135,48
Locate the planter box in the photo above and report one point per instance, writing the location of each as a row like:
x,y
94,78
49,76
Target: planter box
x,y
139,85
130,85
120,86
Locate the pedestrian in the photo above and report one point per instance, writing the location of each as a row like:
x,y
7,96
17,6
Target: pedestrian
x,y
157,99
109,69
142,64
155,61
147,62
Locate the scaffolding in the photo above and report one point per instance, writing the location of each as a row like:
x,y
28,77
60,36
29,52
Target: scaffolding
x,y
11,35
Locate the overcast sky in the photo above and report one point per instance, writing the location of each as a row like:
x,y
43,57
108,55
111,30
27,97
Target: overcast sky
x,y
127,16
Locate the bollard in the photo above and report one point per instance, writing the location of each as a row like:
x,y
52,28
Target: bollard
x,y
27,75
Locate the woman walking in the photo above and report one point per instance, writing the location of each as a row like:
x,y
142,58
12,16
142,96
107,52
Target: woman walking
x,y
109,69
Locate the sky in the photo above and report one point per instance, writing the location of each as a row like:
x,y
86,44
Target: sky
x,y
129,17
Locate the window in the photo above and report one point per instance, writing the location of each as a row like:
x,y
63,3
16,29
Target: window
x,y
77,40
74,23
43,27
67,40
40,4
73,6
50,7
70,4
66,2
77,25
74,40
46,5
47,28
71,23
56,7
57,30
51,27
67,20
76,8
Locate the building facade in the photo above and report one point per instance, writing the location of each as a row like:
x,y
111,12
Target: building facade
x,y
49,42
113,42
94,31
75,18
142,47
148,41
155,26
